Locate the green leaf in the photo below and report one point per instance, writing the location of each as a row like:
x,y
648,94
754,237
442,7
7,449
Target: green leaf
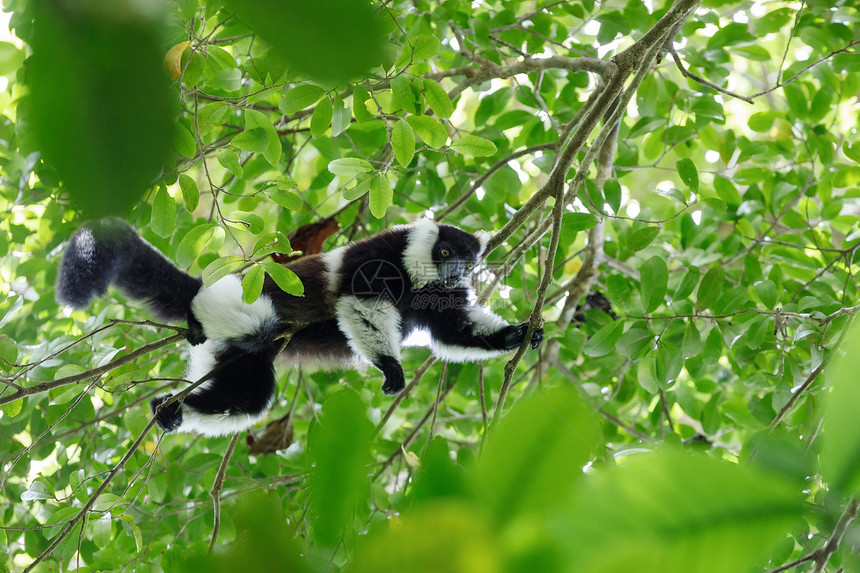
x,y
332,40
340,117
287,199
840,454
211,116
381,194
821,104
184,142
603,341
190,193
689,280
108,130
403,142
691,344
252,222
220,268
255,120
852,151
762,121
424,47
102,531
437,99
350,166
766,292
669,364
358,190
537,452
359,109
300,97
654,283
713,347
286,279
474,145
252,284
321,118
612,193
340,447
710,288
252,140
689,174
679,512
575,222
39,489
229,159
192,243
641,238
429,129
635,341
8,352
402,96
163,221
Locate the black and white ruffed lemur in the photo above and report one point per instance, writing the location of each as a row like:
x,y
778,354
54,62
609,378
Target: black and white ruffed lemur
x,y
360,301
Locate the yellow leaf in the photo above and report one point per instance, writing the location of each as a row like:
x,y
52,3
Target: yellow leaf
x,y
173,59
411,459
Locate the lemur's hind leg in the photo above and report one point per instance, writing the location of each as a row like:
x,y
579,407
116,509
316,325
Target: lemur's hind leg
x,y
109,251
236,396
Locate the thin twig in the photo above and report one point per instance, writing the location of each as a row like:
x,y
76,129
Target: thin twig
x,y
215,492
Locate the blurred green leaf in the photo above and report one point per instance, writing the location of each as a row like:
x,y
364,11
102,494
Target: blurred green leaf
x,y
678,513
108,131
535,455
327,39
340,447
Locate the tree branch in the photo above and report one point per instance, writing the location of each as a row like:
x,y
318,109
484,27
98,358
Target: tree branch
x,y
113,364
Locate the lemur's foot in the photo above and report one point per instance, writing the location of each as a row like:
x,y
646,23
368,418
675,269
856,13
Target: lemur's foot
x,y
395,381
168,417
515,334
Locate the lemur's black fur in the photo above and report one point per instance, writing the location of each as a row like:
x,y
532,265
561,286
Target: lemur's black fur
x,y
360,302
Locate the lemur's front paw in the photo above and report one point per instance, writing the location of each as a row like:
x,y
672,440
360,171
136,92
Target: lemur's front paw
x,y
168,417
395,381
515,334
537,338
194,335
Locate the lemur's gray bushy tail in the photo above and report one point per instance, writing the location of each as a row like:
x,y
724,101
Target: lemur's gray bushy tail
x,y
109,251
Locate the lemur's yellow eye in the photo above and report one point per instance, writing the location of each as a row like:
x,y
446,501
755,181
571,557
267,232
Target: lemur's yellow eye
x,y
445,253
470,266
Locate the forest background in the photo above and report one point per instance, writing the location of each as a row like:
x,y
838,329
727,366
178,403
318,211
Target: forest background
x,y
672,189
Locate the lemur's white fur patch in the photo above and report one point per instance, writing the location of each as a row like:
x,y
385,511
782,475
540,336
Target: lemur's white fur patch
x,y
483,238
454,353
418,254
201,361
371,326
484,321
222,313
333,262
214,425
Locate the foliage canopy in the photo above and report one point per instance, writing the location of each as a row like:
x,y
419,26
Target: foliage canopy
x,y
693,163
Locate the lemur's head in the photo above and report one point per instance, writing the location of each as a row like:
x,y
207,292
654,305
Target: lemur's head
x,y
456,253
441,253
